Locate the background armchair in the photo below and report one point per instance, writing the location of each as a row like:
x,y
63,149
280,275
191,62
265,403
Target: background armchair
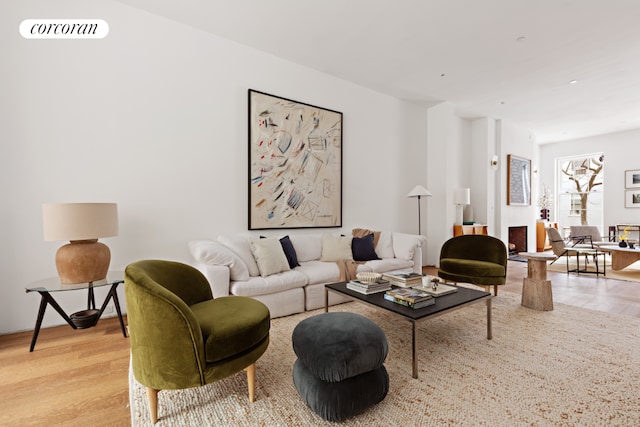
x,y
576,247
477,259
181,337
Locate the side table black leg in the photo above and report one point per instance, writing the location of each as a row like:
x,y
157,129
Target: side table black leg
x,y
91,300
116,302
47,299
113,294
36,331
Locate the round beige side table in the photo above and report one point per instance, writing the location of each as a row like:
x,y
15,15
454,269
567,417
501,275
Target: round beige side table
x,y
536,289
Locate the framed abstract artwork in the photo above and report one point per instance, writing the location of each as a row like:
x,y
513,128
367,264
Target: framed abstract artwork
x,y
518,181
295,164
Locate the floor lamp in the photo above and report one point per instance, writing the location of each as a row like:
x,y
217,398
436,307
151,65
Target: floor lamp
x,y
419,191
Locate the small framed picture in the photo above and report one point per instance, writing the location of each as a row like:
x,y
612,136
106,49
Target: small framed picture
x,y
632,178
632,199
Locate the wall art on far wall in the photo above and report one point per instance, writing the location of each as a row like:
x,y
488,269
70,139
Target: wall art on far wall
x,y
518,181
632,199
295,164
632,178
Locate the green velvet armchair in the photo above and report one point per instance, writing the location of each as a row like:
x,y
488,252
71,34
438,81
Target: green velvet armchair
x,y
477,259
182,337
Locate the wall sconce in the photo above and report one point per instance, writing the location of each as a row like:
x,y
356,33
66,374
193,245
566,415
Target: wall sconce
x,y
461,197
84,259
493,163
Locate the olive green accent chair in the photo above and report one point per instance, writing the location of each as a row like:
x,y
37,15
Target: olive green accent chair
x,y
475,258
181,337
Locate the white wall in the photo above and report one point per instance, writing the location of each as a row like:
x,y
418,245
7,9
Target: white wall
x,y
483,176
620,154
519,142
154,117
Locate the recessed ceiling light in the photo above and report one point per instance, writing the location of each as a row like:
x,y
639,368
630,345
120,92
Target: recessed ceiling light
x,y
572,82
502,102
442,75
521,39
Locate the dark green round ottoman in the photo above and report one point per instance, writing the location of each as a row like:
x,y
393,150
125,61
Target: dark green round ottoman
x,y
340,371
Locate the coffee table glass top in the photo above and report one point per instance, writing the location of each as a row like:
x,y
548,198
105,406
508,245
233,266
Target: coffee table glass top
x,y
53,284
443,303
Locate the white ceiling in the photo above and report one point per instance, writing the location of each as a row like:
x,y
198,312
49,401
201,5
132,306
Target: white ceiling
x,y
505,59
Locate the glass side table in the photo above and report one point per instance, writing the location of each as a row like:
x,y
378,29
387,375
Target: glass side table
x,y
81,319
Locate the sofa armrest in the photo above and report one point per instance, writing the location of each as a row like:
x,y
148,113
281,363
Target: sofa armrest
x,y
219,264
409,247
218,277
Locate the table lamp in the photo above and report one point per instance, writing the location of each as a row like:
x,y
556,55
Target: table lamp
x,y
461,197
83,259
419,191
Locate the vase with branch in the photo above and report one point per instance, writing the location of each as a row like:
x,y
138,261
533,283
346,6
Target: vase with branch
x,y
544,203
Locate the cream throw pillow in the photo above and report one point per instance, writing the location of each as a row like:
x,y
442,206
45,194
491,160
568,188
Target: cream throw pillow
x,y
335,248
269,256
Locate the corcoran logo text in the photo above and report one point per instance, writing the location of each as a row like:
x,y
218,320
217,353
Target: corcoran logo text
x,y
64,28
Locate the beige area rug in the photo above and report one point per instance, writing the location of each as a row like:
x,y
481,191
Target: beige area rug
x,y
629,274
567,367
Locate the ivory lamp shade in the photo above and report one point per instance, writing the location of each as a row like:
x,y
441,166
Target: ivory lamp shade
x,y
462,196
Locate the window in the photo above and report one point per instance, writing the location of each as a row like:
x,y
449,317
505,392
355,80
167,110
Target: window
x,y
579,190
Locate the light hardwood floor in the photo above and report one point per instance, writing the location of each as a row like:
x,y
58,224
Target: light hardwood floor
x,y
78,378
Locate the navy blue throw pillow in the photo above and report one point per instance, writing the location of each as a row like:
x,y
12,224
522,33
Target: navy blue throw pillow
x,y
289,251
363,249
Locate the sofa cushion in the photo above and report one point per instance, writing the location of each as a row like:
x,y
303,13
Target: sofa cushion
x,y
308,246
231,325
319,271
384,248
278,282
289,251
269,256
241,246
336,248
210,252
363,248
389,264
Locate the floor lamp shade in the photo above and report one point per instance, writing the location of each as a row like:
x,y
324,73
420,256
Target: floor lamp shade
x,y
84,259
419,191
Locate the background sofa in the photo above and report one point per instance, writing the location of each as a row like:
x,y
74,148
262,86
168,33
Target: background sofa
x,y
288,273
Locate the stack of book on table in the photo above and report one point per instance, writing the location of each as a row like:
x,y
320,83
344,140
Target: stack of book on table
x,y
409,297
404,280
369,287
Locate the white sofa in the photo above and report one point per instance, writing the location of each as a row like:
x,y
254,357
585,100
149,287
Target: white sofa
x,y
251,266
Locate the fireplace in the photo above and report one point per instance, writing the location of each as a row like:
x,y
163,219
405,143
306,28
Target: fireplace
x,y
517,239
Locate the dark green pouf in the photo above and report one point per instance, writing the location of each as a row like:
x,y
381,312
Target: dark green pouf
x,y
339,371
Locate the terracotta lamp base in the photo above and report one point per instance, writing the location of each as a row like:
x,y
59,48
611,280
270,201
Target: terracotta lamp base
x,y
82,261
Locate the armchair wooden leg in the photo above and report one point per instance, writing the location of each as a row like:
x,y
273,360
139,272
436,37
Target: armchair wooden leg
x,y
152,397
495,290
251,381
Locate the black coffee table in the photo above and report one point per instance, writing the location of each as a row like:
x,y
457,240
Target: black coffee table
x,y
444,304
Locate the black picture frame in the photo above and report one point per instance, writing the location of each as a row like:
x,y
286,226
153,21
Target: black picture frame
x,y
295,164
